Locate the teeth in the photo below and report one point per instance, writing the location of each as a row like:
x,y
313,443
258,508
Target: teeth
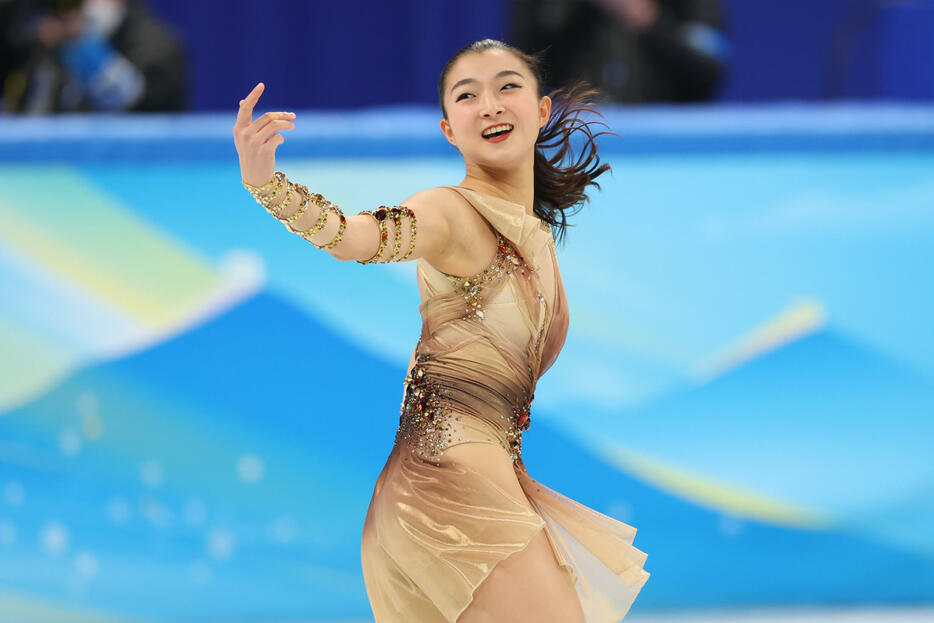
x,y
498,128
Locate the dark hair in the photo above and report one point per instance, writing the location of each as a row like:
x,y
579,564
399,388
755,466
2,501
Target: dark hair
x,y
558,188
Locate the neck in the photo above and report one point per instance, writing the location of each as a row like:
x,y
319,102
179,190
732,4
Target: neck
x,y
516,185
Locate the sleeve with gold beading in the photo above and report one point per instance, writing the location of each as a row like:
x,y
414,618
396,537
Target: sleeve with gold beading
x,y
307,214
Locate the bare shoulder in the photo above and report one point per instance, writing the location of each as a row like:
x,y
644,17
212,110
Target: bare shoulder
x,y
466,232
445,202
436,225
449,205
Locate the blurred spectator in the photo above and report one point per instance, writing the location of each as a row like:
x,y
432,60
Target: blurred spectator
x,y
633,50
89,55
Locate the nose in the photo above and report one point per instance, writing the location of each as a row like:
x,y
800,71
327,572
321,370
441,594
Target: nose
x,y
491,105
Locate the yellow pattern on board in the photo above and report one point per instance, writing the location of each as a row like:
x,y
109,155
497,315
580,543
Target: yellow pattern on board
x,y
707,491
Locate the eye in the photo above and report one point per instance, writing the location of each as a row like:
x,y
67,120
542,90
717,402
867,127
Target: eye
x,y
461,96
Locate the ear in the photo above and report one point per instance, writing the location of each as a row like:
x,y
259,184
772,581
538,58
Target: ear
x,y
446,130
544,110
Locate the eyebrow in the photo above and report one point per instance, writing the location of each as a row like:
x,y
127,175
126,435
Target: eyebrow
x,y
505,72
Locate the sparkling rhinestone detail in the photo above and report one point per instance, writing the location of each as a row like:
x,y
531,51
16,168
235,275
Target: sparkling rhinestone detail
x,y
522,407
396,214
423,420
520,423
506,261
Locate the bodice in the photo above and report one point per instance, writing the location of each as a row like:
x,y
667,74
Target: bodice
x,y
486,339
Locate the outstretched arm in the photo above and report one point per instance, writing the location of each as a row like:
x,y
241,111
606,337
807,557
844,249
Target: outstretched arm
x,y
420,227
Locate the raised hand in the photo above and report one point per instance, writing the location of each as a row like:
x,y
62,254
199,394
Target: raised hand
x,y
256,141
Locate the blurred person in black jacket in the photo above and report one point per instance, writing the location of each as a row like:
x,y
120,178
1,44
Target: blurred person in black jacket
x,y
633,50
89,55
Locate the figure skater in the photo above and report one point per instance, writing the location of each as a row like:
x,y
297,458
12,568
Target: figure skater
x,y
457,530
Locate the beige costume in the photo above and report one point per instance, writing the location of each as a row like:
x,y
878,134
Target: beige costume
x,y
439,519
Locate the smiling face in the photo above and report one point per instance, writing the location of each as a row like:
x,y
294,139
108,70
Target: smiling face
x,y
489,88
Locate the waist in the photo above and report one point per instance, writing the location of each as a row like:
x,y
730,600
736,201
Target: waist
x,y
439,411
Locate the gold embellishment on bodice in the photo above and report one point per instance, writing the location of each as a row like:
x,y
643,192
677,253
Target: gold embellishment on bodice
x,y
430,420
423,419
521,411
505,262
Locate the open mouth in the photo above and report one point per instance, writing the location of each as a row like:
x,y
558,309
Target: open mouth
x,y
500,134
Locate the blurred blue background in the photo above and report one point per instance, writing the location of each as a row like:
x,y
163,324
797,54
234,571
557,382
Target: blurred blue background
x,y
349,54
748,377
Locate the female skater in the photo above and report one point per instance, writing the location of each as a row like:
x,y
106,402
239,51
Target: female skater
x,y
457,530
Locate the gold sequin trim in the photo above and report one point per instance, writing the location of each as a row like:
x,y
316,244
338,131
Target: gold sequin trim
x,y
280,181
521,422
265,188
506,261
522,409
521,419
396,213
423,419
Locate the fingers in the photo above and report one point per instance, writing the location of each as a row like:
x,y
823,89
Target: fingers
x,y
261,123
245,114
264,131
271,128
